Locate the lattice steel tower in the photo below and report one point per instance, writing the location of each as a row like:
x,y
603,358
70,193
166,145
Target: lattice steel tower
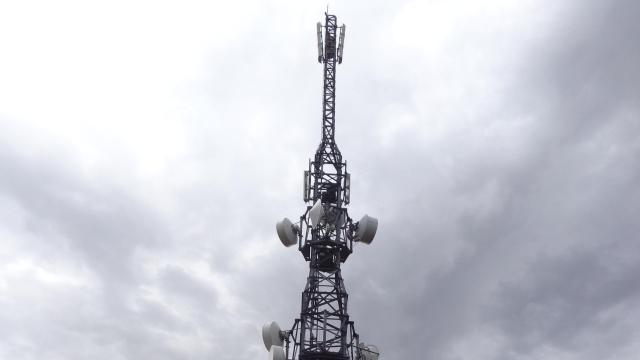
x,y
325,236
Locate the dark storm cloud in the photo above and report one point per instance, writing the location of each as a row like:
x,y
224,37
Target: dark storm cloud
x,y
565,301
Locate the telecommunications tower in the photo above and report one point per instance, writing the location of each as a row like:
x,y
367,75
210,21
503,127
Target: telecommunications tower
x,y
325,236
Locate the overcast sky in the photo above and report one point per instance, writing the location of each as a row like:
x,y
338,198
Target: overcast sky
x,y
147,150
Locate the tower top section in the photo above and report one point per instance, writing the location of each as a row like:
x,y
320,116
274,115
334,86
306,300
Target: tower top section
x,y
330,41
330,50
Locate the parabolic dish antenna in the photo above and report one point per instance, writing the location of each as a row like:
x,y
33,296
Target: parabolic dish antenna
x,y
367,227
271,336
286,232
277,353
369,352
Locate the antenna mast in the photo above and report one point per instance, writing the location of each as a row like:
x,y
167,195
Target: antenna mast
x,y
325,236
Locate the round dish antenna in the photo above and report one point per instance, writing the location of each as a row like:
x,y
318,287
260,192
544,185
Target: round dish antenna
x,y
277,353
287,232
369,352
271,335
367,227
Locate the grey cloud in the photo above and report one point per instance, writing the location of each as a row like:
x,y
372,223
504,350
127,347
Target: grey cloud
x,y
177,282
507,201
564,300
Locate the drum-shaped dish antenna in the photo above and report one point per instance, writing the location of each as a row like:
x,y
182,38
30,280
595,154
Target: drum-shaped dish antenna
x,y
367,227
277,353
369,352
287,232
271,335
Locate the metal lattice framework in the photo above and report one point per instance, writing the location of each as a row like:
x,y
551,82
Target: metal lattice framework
x,y
324,330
